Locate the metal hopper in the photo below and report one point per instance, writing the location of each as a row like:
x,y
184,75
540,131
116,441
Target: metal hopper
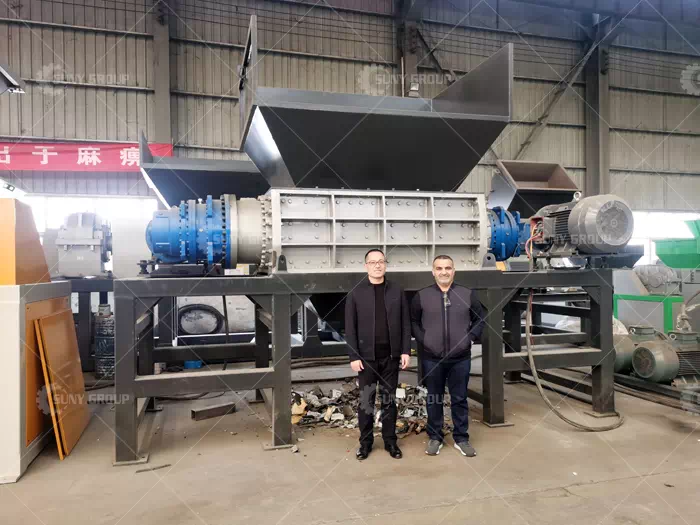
x,y
176,179
332,140
527,187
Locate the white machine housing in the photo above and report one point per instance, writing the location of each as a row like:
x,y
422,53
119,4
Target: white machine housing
x,y
84,245
319,230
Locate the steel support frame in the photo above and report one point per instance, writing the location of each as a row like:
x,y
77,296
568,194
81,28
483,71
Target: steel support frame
x,y
497,291
134,349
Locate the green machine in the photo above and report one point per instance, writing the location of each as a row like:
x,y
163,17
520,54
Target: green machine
x,y
681,253
675,359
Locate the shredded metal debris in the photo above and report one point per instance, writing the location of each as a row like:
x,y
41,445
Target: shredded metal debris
x,y
337,408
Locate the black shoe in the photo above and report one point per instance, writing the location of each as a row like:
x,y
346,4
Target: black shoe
x,y
363,452
393,450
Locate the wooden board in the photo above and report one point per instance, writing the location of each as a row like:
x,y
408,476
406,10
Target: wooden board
x,y
61,362
47,382
37,417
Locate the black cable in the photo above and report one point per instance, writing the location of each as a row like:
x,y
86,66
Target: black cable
x,y
535,376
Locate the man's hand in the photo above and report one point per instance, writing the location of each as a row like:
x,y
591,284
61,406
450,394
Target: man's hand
x,y
405,361
357,365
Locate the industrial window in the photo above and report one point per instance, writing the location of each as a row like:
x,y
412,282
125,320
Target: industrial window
x,y
50,212
651,225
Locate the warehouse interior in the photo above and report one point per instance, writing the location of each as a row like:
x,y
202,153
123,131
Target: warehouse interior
x,y
189,192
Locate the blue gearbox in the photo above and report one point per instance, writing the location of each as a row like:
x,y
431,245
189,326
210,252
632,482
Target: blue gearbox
x,y
505,233
194,232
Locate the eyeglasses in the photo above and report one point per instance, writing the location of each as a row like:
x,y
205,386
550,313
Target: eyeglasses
x,y
376,263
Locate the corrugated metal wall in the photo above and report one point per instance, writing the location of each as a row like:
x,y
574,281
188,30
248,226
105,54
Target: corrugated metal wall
x,y
89,71
302,48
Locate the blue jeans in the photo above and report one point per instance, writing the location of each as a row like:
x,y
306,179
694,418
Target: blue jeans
x,y
454,374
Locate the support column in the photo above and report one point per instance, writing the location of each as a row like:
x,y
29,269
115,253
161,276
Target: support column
x,y
161,74
603,374
85,331
282,363
312,346
492,349
126,440
167,321
597,120
145,351
408,47
262,348
513,344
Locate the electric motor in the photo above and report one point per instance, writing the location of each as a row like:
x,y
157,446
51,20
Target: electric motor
x,y
601,224
662,361
624,350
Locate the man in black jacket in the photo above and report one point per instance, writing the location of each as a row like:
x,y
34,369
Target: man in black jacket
x,y
378,335
446,319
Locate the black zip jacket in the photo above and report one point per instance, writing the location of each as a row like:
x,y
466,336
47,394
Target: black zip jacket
x,y
447,324
360,320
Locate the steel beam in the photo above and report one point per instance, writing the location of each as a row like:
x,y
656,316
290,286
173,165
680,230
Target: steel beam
x,y
144,363
603,374
513,339
167,321
91,285
674,11
161,72
282,364
553,358
220,410
343,282
597,178
567,82
413,9
85,331
408,50
492,344
126,444
204,381
558,309
262,347
242,352
603,35
558,339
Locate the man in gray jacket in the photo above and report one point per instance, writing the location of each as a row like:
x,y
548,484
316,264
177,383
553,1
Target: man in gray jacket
x,y
445,319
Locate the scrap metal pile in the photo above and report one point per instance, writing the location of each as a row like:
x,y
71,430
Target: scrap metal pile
x,y
338,408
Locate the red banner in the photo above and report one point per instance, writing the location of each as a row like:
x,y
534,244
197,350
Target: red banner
x,y
57,156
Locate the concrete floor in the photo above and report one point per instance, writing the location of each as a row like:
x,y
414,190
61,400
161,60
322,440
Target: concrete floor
x,y
537,472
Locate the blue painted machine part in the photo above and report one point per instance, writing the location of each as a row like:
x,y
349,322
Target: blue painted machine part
x,y
505,233
194,232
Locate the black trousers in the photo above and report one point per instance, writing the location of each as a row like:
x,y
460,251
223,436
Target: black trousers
x,y
385,373
454,374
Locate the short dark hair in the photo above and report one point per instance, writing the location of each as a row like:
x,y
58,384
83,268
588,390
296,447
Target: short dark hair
x,y
374,250
443,257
